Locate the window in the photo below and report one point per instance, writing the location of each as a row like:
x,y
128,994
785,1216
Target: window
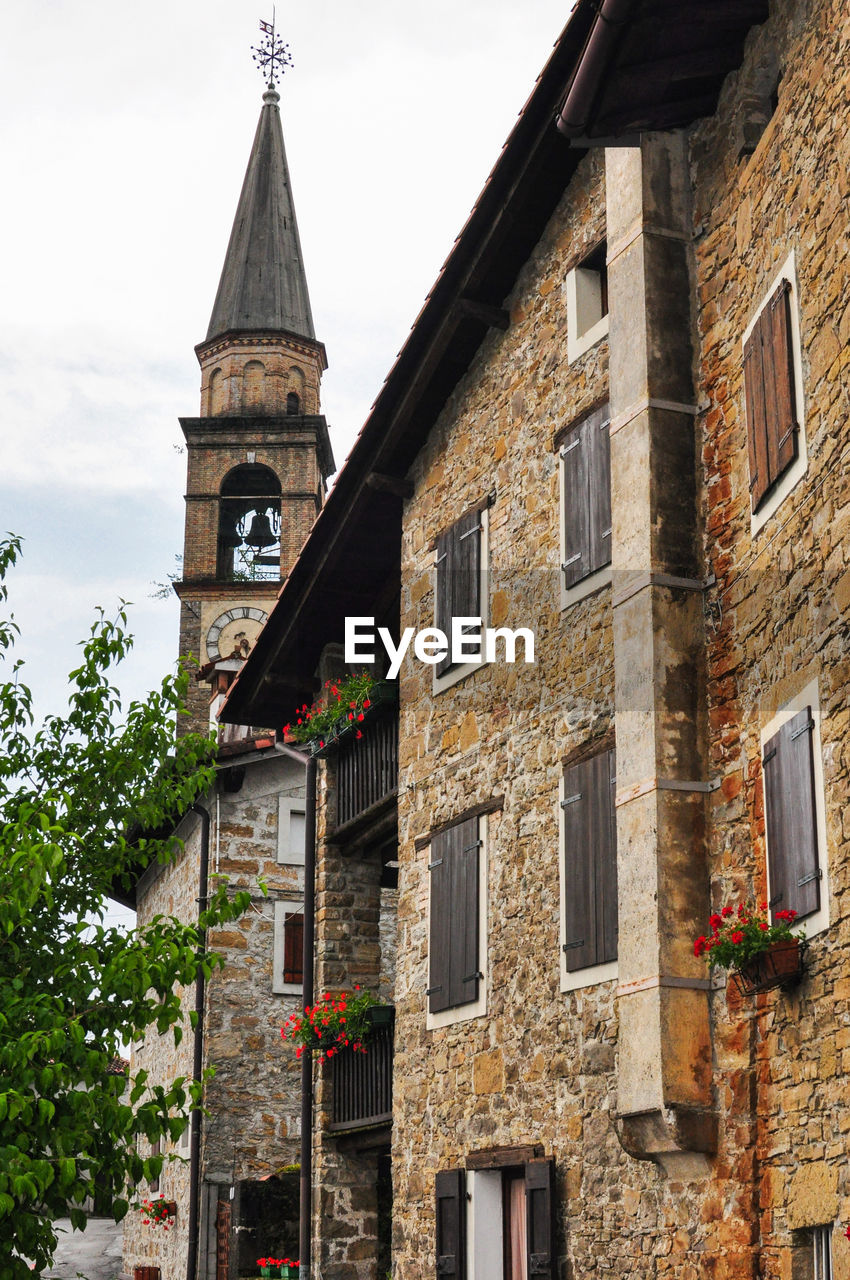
x,y
460,563
293,403
589,872
493,1223
587,303
773,398
291,830
457,923
822,1251
287,963
795,826
585,456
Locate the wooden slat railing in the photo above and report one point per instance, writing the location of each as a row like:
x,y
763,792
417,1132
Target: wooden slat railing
x,y
363,1083
367,768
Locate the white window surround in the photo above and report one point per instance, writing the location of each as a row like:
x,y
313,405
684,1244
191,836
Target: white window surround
x,y
291,830
585,323
818,922
475,1008
456,674
484,1224
795,473
283,909
576,979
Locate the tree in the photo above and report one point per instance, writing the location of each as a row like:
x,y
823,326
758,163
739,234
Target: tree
x,y
72,793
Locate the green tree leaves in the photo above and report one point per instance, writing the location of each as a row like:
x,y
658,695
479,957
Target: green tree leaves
x,y
87,800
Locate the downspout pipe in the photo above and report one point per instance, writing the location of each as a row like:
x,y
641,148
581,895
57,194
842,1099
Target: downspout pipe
x,y
198,1057
306,1180
600,46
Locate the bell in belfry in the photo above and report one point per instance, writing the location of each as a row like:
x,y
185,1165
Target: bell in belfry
x,y
260,534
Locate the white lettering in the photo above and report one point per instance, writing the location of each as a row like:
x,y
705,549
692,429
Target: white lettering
x,y
466,642
431,645
395,655
352,639
492,634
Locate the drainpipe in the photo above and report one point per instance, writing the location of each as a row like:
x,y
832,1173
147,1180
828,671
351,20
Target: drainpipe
x,y
600,47
198,1060
306,1180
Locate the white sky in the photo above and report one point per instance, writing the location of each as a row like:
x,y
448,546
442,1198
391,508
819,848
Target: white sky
x,y
125,131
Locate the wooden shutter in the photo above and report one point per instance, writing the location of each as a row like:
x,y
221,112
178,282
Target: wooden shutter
x,y
790,815
454,869
782,411
293,948
450,1223
770,397
464,844
586,461
458,587
439,979
540,1218
590,862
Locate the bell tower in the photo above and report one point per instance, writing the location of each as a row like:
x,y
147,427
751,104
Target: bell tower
x,y
259,453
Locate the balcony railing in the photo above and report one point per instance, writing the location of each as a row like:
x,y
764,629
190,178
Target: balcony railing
x,y
363,1082
367,768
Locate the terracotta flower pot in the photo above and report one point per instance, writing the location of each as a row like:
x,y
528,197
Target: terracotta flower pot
x,y
780,966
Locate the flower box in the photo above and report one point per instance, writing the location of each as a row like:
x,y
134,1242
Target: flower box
x,y
780,966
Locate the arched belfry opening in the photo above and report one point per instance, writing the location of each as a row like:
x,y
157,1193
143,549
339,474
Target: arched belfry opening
x,y
293,403
249,524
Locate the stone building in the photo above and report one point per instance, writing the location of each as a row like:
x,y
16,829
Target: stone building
x,y
258,458
620,423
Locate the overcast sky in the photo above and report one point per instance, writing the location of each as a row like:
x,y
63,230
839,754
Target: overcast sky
x,y
125,135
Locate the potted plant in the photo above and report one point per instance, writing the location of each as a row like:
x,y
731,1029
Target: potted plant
x,y
760,954
146,1273
333,1023
343,707
272,1267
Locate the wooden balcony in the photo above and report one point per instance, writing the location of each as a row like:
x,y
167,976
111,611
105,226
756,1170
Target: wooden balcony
x,y
363,1082
367,768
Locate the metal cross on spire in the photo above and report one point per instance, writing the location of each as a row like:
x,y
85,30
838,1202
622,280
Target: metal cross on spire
x,y
272,53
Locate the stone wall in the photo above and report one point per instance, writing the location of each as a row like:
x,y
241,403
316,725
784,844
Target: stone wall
x,y
253,1100
780,605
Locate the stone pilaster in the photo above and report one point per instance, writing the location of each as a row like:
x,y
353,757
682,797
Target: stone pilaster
x,y
664,1085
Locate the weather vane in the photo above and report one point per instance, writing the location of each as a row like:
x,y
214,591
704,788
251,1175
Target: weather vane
x,y
272,53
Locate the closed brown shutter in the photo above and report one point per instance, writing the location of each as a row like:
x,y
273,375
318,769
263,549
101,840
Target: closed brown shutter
x,y
756,424
606,819
586,455
458,564
782,420
293,948
450,1223
540,1218
772,428
454,869
590,862
794,871
439,942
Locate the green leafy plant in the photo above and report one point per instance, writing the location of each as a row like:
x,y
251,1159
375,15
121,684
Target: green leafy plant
x,y
333,1023
87,800
345,700
737,934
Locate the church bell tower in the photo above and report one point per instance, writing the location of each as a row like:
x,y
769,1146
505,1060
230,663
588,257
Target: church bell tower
x,y
259,453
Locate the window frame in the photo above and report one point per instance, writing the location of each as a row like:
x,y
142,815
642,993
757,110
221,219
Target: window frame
x,y
794,472
600,577
817,922
473,1008
587,322
593,974
454,675
285,855
284,908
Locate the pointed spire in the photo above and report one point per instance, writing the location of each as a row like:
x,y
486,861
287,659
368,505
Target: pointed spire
x,y
263,284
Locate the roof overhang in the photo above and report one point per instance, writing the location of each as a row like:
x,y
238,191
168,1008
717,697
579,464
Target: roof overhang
x,y
652,65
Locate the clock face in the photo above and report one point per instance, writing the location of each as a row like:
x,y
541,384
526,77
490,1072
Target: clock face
x,y
233,633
